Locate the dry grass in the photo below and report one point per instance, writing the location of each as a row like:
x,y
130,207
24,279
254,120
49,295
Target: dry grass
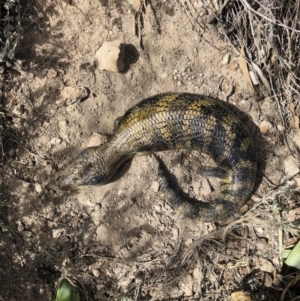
x,y
269,33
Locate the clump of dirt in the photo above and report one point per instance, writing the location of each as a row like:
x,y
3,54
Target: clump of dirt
x,y
124,239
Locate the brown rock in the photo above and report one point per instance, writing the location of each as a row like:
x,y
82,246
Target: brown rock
x,y
265,126
291,166
51,73
110,56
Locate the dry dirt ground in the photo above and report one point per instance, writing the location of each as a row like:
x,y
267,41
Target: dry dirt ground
x,y
123,240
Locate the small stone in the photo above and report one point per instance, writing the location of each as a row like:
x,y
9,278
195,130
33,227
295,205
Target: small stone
x,y
261,243
38,188
291,166
164,75
56,233
157,208
155,186
265,126
96,273
179,83
48,169
266,266
110,56
96,139
268,280
188,241
51,73
275,176
225,59
280,128
245,105
259,230
56,140
233,66
187,285
278,279
63,126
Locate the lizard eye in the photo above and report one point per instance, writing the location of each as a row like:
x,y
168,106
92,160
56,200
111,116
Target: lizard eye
x,y
94,181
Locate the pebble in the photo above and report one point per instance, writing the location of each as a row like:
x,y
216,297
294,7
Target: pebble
x,y
291,166
96,139
266,266
56,140
245,105
110,56
157,208
225,59
56,233
268,279
38,188
275,176
164,75
265,126
155,186
96,273
187,285
48,169
261,243
63,126
51,73
280,128
233,66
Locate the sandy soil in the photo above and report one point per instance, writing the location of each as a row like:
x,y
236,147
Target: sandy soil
x,y
123,239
